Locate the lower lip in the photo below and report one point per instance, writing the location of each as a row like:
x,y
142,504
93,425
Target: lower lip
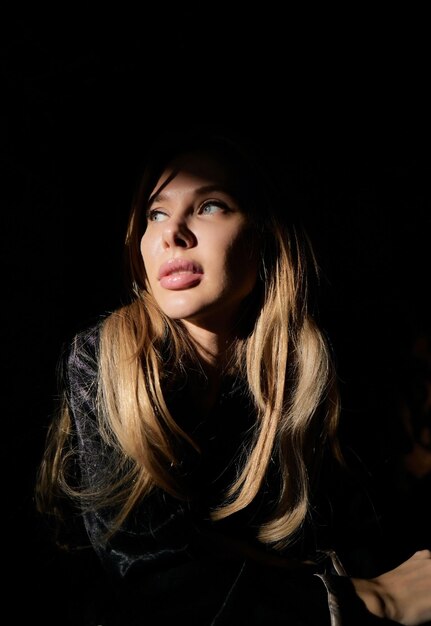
x,y
182,280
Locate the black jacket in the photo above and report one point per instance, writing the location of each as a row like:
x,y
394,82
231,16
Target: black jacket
x,y
171,564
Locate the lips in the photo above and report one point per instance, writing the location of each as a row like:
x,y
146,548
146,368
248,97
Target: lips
x,y
180,274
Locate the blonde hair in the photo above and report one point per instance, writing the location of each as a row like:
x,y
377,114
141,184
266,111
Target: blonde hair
x,y
283,358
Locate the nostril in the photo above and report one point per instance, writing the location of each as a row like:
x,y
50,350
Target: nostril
x,y
179,236
180,241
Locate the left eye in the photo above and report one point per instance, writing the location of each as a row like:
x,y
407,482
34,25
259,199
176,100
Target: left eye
x,y
155,215
211,207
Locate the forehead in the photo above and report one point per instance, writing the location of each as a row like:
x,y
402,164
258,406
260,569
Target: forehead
x,y
199,166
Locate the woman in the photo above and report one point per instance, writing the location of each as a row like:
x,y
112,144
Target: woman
x,y
197,418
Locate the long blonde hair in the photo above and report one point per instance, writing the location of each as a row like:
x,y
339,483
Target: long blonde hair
x,y
283,357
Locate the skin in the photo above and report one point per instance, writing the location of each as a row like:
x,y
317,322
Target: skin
x,y
193,216
402,594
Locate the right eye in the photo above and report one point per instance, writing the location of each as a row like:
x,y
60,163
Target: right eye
x,y
156,215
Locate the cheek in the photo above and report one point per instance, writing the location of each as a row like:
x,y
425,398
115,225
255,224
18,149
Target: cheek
x,y
147,258
146,250
243,261
143,246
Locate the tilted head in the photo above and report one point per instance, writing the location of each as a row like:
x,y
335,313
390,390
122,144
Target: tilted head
x,y
209,227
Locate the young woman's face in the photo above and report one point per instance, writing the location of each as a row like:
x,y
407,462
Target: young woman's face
x,y
198,247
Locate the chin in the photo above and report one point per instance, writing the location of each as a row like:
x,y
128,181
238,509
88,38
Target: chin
x,y
180,312
180,305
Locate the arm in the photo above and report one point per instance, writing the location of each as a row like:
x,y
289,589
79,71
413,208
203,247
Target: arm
x,y
402,594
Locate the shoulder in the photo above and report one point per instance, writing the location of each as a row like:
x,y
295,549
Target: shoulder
x,y
78,363
83,348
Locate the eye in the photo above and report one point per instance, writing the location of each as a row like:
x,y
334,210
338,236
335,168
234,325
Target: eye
x,y
212,206
156,215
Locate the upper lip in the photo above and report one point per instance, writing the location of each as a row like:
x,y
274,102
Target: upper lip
x,y
179,265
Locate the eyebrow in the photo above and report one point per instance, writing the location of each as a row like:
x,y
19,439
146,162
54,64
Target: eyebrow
x,y
162,196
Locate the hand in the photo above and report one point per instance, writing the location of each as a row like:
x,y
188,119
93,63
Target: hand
x,y
402,594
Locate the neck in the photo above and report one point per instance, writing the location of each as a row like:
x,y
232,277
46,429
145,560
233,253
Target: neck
x,y
214,349
213,346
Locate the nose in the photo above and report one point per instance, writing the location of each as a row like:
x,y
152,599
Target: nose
x,y
177,233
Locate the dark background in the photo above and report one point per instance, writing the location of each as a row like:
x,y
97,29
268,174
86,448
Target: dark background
x,y
340,100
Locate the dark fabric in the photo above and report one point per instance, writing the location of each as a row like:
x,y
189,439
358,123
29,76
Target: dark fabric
x,y
170,562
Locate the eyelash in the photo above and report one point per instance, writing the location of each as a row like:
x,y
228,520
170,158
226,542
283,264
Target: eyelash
x,y
151,213
218,203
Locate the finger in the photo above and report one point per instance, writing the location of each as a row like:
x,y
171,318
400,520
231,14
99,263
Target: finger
x,y
422,554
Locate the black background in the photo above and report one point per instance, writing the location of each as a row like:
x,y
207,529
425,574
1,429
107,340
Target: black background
x,y
342,102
